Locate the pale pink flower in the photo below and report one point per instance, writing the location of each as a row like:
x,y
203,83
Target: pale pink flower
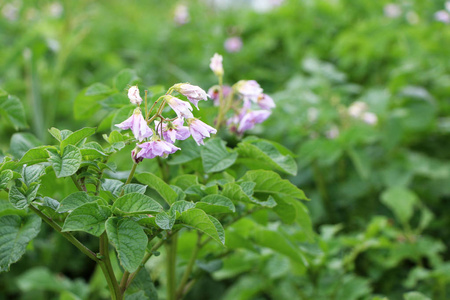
x,y
251,118
392,10
213,93
370,118
442,16
133,95
137,124
173,131
447,6
155,148
265,102
233,44
200,130
357,108
216,64
332,133
249,89
182,108
181,14
192,92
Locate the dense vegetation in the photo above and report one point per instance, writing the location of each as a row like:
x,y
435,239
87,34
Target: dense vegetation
x,y
363,105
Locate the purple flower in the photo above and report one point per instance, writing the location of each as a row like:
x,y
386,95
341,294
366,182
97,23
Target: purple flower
x,y
249,89
173,131
133,95
192,92
265,102
137,124
233,44
251,118
156,148
182,108
216,64
213,93
442,16
200,130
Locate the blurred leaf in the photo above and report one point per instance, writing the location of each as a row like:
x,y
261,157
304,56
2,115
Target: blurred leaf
x,y
12,109
129,240
216,157
125,78
22,142
401,202
15,234
415,296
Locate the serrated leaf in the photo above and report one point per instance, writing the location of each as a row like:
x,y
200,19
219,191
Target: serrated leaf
x,y
89,217
269,182
165,221
68,163
130,241
15,234
135,203
215,204
216,157
156,183
75,137
75,200
199,220
263,152
12,109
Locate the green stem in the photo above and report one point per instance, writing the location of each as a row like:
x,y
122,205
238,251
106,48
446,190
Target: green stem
x,y
321,186
107,269
130,177
181,291
171,250
77,184
221,105
67,235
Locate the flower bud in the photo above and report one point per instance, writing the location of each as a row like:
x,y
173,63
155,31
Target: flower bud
x,y
216,64
133,95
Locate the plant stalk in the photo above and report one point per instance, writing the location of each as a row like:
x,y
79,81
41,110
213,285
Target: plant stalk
x,y
171,250
184,280
108,272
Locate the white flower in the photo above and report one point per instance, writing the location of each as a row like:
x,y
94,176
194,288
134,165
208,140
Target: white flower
x,y
216,64
357,109
133,95
370,118
392,10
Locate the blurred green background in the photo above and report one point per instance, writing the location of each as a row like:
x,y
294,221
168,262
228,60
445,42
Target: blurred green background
x,y
380,191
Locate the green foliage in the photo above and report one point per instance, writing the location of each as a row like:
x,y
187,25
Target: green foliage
x,y
89,217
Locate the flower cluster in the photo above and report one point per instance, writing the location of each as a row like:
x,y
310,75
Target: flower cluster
x,y
246,98
160,140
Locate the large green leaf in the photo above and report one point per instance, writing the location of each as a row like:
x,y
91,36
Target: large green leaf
x,y
156,183
75,200
68,163
135,203
20,200
190,152
215,204
130,241
32,174
89,217
15,234
181,206
185,181
260,153
199,220
75,137
87,101
21,142
401,201
234,192
216,157
165,220
269,182
35,156
125,78
12,109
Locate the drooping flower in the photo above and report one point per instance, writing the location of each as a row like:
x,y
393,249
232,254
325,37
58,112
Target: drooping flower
x,y
173,131
182,108
214,94
249,89
156,147
216,64
265,102
251,118
233,44
200,130
192,92
137,124
133,95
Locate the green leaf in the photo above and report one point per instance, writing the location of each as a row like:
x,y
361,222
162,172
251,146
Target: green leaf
x,y
185,181
415,296
130,241
98,89
113,186
22,142
166,221
219,229
56,133
135,203
89,217
234,192
134,188
199,220
142,287
181,206
15,234
12,109
68,163
32,174
156,183
215,204
216,157
35,156
86,103
401,201
5,177
77,136
190,152
260,152
125,78
20,200
269,182
75,200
